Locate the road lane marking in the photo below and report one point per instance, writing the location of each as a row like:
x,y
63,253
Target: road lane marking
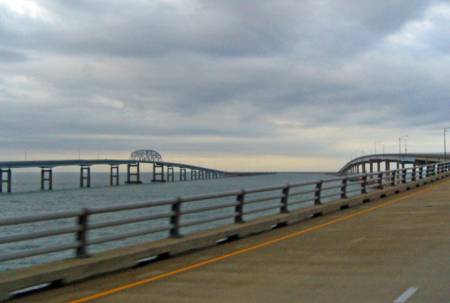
x,y
247,249
406,295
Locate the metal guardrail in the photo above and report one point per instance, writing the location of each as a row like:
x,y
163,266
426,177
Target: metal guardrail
x,y
282,198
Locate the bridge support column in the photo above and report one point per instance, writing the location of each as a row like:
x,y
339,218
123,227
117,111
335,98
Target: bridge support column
x,y
85,175
46,176
183,174
136,174
158,172
388,165
378,166
364,168
5,178
170,174
371,167
114,175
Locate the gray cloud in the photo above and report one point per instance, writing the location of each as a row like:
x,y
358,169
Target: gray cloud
x,y
221,76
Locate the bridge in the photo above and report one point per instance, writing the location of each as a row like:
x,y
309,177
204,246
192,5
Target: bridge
x,y
163,171
386,161
373,237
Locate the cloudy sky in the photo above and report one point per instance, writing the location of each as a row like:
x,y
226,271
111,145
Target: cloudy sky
x,y
234,84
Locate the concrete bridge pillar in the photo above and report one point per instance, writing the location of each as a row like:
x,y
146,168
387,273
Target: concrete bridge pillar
x,y
371,166
158,172
363,168
136,174
170,174
388,165
183,174
378,166
46,176
5,178
85,175
114,175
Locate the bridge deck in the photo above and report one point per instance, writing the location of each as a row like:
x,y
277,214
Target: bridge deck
x,y
373,253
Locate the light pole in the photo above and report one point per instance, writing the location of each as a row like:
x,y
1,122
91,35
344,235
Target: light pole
x,y
445,143
400,144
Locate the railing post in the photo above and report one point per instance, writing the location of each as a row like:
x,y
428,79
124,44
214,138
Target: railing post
x,y
81,235
364,185
344,188
318,193
413,173
239,209
380,180
284,199
421,172
175,219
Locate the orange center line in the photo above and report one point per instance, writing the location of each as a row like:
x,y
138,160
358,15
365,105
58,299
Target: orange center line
x,y
243,250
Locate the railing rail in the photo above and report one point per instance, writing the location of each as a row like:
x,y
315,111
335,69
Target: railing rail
x,y
241,204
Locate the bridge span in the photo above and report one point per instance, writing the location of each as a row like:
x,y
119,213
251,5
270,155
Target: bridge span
x,y
163,171
385,162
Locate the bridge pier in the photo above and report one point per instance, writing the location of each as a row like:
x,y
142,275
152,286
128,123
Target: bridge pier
x,y
114,175
364,168
136,174
85,175
46,176
371,166
5,173
378,166
160,173
183,174
170,174
387,165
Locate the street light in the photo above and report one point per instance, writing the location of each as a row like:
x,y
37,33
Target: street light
x,y
445,142
400,144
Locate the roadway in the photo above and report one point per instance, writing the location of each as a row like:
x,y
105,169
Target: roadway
x,y
394,250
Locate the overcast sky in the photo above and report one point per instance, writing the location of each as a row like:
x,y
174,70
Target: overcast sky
x,y
234,84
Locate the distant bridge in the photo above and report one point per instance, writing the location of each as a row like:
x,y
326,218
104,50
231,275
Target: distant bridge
x,y
386,161
163,171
